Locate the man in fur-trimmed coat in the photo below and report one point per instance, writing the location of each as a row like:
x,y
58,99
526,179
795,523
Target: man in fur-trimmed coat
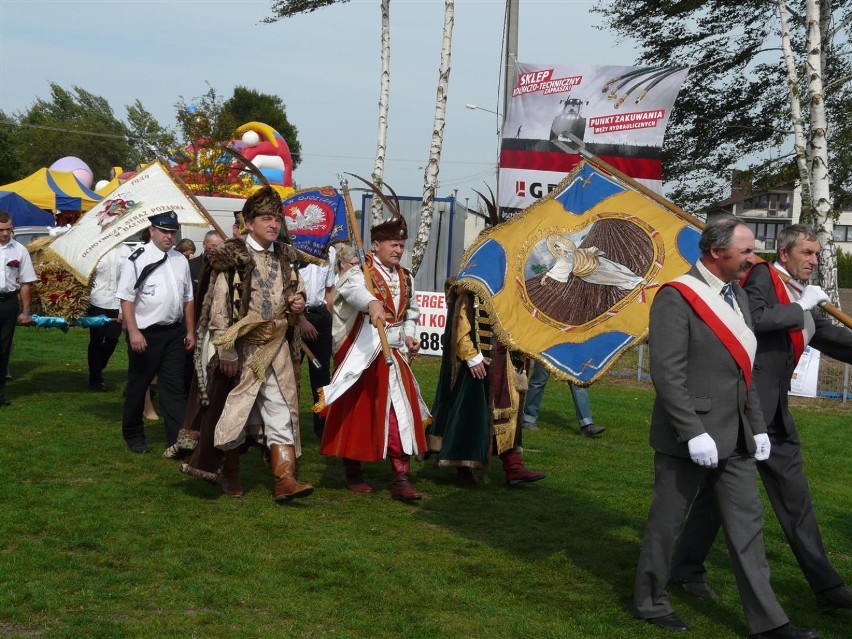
x,y
253,291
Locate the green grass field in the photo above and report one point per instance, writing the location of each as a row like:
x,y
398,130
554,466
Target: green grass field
x,y
98,542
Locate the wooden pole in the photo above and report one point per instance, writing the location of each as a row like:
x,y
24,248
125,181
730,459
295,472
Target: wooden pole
x,y
191,195
606,167
368,279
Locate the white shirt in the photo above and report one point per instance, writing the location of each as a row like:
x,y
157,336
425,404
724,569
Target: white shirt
x,y
317,279
107,273
257,247
11,277
164,292
716,285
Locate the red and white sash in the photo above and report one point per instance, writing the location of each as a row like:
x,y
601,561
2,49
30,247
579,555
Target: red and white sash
x,y
786,295
723,320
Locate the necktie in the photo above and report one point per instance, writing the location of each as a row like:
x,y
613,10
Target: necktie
x,y
728,294
146,271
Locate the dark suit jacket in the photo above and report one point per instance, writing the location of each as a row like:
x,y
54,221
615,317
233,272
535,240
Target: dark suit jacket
x,y
195,271
775,359
700,388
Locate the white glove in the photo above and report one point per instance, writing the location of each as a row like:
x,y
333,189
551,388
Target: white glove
x,y
812,297
702,450
761,440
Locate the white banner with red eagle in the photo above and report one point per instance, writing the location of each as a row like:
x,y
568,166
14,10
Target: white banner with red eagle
x,y
619,113
122,213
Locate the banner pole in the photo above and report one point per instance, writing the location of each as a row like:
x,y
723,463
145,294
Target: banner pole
x,y
368,279
192,197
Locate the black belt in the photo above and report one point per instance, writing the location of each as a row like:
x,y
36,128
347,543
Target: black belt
x,y
155,328
8,295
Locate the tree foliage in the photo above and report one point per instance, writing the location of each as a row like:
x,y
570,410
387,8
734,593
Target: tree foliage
x,y
10,160
76,123
206,127
734,107
288,8
147,137
248,105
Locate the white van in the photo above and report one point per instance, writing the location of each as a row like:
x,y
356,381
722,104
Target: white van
x,y
222,210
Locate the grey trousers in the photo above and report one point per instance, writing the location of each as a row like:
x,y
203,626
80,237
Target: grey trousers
x,y
676,481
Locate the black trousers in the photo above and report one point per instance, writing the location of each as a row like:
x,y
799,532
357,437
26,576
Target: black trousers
x,y
165,358
8,319
321,348
102,343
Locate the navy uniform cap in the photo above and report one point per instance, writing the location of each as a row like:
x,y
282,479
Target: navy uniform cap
x,y
166,221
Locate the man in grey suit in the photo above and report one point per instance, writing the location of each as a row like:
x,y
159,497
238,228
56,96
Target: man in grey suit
x,y
704,426
784,323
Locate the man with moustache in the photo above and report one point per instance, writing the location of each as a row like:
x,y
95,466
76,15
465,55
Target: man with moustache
x,y
250,308
374,410
707,427
784,323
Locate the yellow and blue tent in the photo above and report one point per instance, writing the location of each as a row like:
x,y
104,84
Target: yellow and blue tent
x,y
54,190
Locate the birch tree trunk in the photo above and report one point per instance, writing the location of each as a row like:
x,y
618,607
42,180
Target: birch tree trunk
x,y
799,140
430,175
384,95
817,149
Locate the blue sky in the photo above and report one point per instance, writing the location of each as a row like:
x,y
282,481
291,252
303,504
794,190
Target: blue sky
x,y
325,66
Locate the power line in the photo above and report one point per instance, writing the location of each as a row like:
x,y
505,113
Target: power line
x,y
62,130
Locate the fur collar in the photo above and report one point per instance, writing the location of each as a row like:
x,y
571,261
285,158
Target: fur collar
x,y
234,253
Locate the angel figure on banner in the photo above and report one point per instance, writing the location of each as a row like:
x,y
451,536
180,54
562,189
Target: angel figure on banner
x,y
575,284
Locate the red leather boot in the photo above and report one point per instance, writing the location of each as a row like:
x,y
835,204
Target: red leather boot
x,y
401,489
355,477
516,472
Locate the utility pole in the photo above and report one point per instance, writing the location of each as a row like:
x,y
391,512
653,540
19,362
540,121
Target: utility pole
x,y
511,52
509,77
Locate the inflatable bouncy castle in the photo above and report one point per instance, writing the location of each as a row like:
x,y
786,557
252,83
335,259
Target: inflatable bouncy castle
x,y
208,170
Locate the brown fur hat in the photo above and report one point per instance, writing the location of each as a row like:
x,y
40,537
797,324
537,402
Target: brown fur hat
x,y
393,228
264,201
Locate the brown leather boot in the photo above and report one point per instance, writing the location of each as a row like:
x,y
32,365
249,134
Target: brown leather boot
x,y
516,472
401,489
231,474
355,477
283,464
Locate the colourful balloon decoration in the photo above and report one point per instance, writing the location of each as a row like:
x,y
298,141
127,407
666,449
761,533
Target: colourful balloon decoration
x,y
268,151
76,166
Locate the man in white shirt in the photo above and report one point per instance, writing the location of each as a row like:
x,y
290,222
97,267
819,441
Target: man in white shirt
x,y
16,277
155,290
315,323
102,301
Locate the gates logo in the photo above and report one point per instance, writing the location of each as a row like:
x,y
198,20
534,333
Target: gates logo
x,y
520,188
